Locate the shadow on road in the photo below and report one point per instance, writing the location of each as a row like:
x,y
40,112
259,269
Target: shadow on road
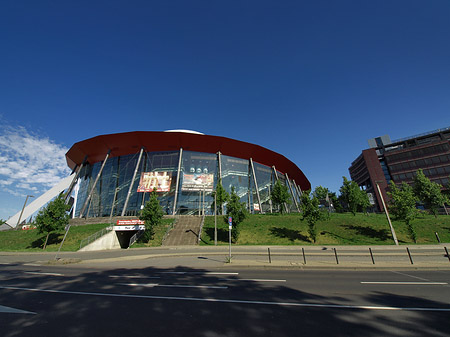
x,y
126,302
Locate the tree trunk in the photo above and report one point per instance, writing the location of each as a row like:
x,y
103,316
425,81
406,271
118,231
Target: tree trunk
x,y
46,239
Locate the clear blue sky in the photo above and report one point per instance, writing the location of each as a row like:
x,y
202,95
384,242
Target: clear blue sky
x,y
312,80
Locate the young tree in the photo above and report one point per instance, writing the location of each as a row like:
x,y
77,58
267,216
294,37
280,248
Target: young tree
x,y
151,215
221,196
311,212
238,211
52,218
353,197
403,205
280,196
428,192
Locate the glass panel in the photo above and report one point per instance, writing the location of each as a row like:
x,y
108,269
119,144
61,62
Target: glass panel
x,y
235,172
197,181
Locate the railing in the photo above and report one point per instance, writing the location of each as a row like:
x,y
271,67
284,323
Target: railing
x,y
95,236
201,229
170,227
135,237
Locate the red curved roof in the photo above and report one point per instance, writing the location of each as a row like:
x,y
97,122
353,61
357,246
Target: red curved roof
x,y
125,143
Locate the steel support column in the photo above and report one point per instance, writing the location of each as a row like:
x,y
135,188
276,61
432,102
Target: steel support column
x,y
74,180
292,192
256,185
130,189
177,183
276,177
95,184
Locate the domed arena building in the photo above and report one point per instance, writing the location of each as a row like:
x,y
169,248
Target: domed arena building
x,y
114,174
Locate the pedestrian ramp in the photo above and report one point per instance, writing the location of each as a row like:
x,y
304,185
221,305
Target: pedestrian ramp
x,y
186,231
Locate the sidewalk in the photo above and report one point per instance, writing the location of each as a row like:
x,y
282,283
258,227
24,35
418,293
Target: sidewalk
x,y
300,257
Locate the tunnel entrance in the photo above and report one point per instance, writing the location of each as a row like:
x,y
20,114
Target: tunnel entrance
x,y
125,229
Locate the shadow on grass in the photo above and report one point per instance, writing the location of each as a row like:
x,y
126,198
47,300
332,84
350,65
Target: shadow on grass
x,y
286,233
222,234
52,239
381,234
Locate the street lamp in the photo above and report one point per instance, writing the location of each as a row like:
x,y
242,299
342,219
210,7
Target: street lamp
x,y
23,208
387,213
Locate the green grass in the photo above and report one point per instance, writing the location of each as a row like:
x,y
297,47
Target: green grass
x,y
32,241
340,229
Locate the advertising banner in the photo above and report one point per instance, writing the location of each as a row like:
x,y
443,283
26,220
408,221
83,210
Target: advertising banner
x,y
198,182
151,180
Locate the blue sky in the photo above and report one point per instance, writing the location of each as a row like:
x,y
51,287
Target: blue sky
x,y
312,80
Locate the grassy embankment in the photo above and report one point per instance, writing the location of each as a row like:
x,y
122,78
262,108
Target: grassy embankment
x,y
340,229
30,240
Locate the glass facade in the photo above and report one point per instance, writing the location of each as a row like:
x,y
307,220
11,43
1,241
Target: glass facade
x,y
184,187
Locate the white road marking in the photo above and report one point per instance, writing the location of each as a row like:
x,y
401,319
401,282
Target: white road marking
x,y
150,285
32,264
416,277
132,276
5,263
408,283
197,273
10,310
250,279
42,273
217,300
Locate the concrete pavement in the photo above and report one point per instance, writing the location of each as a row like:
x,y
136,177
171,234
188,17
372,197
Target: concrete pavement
x,y
304,257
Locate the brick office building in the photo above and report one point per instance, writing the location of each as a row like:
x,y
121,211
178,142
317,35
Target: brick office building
x,y
398,161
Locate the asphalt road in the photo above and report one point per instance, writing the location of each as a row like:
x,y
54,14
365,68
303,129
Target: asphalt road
x,y
80,301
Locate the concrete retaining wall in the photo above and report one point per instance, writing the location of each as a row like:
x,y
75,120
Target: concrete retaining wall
x,y
107,241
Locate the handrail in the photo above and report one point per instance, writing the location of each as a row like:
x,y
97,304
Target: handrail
x,y
95,236
201,229
176,217
135,237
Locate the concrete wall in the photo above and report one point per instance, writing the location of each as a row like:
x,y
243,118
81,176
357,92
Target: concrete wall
x,y
107,241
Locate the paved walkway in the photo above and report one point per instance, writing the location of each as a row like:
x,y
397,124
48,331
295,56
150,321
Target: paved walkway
x,y
304,257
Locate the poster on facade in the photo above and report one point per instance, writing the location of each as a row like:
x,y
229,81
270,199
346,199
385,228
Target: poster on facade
x,y
151,180
198,182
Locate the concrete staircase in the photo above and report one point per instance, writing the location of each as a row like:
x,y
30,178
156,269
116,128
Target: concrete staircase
x,y
185,232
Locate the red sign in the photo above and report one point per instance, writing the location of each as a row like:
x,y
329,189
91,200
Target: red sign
x,y
129,222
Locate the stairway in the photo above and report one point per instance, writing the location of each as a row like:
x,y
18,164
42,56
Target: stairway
x,y
185,231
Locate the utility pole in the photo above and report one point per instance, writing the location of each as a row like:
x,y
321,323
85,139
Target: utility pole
x,y
387,214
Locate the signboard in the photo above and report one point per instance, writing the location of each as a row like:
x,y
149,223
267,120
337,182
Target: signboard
x,y
371,199
129,228
230,222
198,182
130,222
256,207
155,180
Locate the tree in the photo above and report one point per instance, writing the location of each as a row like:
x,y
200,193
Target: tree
x,y
311,212
280,195
353,198
428,192
237,210
52,218
152,215
2,222
403,205
221,196
321,192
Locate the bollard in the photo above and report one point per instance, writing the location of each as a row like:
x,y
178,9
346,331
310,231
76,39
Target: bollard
x,y
437,237
371,255
446,252
270,260
409,254
335,254
304,257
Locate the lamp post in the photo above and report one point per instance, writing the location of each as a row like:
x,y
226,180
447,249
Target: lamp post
x,y
387,214
23,208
